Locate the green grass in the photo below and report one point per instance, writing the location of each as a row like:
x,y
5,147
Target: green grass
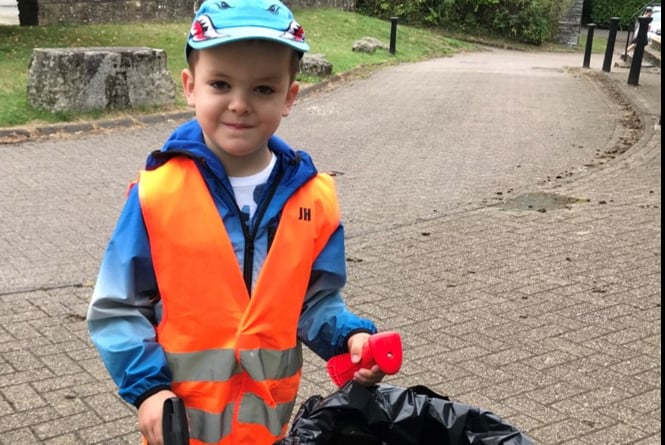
x,y
598,45
329,32
17,43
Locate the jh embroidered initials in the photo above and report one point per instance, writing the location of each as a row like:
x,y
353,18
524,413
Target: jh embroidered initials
x,y
305,214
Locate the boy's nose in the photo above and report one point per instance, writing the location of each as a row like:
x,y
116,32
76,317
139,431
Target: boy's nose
x,y
239,103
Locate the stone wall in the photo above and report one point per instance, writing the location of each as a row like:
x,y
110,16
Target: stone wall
x,y
346,5
111,11
127,11
570,23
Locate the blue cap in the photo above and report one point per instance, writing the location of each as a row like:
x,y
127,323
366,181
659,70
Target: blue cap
x,y
218,22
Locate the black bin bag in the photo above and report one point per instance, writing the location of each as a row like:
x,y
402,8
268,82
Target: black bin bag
x,y
390,415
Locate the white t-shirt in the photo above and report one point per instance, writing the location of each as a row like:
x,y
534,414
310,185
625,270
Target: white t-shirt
x,y
248,189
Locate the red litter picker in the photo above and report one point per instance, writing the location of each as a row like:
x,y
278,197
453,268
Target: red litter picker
x,y
383,349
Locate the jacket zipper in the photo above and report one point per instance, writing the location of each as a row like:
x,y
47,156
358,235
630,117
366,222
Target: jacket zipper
x,y
249,242
249,235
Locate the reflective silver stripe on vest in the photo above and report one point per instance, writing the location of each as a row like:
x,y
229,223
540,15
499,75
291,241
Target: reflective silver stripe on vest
x,y
219,365
270,364
254,410
213,365
212,428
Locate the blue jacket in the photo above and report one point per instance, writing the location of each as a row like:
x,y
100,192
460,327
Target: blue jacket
x,y
124,309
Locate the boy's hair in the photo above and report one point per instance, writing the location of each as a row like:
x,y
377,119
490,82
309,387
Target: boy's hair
x,y
219,22
294,66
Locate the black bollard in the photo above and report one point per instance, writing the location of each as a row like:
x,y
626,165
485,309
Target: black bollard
x,y
393,33
611,39
589,45
638,52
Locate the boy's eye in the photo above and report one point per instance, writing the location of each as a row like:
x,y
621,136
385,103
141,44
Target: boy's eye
x,y
219,85
264,90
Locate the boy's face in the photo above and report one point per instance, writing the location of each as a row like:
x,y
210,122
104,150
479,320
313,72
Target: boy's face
x,y
240,92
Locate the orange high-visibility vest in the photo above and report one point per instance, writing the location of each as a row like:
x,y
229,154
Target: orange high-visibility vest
x,y
236,361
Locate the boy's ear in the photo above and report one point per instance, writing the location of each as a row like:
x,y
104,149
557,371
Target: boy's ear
x,y
291,96
188,86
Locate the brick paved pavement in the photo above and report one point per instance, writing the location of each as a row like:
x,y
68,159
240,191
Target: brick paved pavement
x,y
547,315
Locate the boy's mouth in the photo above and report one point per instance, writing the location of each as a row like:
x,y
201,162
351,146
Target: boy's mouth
x,y
237,125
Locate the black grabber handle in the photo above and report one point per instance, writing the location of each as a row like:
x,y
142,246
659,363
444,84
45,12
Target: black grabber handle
x,y
174,422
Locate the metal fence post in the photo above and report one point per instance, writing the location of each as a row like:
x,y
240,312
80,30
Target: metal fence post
x,y
638,53
611,39
589,45
393,33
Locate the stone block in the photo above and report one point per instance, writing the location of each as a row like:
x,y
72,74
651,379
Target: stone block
x,y
315,65
368,45
99,78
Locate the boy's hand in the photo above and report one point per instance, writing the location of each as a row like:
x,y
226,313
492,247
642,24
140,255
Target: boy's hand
x,y
150,417
367,377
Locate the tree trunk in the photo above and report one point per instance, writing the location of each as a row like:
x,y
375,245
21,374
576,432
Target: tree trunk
x,y
28,12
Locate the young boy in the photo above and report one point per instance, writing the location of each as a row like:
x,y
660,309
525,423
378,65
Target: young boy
x,y
229,252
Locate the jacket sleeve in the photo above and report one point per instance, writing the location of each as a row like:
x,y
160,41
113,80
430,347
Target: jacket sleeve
x,y
325,321
123,310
